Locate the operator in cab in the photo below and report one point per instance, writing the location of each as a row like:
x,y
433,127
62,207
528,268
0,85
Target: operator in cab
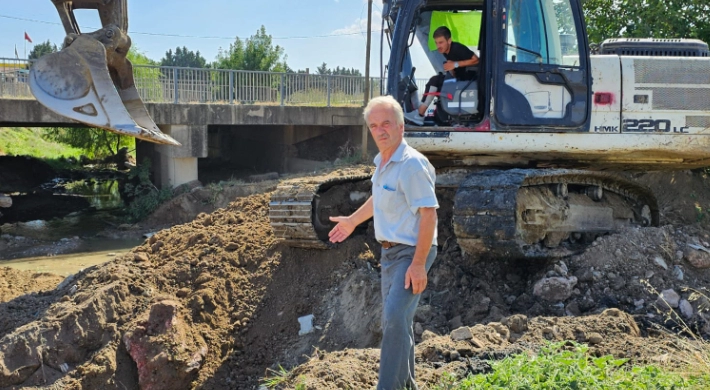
x,y
458,59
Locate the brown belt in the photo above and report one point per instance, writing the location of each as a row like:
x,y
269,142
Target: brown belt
x,y
388,244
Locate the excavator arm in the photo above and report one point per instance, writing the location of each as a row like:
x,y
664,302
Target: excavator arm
x,y
90,80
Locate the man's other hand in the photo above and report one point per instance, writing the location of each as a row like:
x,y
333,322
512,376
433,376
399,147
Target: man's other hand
x,y
416,277
342,230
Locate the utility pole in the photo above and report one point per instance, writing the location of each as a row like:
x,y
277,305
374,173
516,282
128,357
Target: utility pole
x,y
367,75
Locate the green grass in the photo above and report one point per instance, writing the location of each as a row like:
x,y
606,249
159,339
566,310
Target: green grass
x,y
23,141
567,365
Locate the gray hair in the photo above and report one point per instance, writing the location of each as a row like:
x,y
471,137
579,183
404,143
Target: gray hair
x,y
386,100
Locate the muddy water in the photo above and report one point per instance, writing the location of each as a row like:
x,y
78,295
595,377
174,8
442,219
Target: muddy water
x,y
96,252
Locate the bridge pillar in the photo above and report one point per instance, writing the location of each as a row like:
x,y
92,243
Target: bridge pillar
x,y
178,164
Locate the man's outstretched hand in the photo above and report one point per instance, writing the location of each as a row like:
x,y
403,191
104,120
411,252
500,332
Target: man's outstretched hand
x,y
342,230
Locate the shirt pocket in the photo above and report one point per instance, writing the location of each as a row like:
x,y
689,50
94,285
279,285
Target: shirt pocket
x,y
389,198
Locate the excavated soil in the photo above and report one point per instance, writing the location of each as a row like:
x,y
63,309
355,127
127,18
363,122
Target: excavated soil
x,y
215,303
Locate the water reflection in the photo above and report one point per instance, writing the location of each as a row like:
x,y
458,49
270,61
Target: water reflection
x,y
102,194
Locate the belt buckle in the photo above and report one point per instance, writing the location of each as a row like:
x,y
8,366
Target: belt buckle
x,y
388,244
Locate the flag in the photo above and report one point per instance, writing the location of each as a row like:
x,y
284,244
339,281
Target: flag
x,y
27,37
16,55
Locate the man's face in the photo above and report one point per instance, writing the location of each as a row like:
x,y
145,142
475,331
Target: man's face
x,y
384,128
442,44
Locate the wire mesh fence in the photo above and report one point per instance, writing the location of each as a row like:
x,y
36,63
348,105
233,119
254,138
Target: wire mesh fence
x,y
165,84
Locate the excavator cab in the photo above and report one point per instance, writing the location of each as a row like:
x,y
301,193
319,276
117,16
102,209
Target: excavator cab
x,y
534,68
90,80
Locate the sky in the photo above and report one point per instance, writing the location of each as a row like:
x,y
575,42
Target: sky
x,y
310,31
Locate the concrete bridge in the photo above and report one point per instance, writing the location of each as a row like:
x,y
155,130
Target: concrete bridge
x,y
268,121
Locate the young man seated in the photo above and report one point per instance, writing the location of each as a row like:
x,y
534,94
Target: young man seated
x,y
458,58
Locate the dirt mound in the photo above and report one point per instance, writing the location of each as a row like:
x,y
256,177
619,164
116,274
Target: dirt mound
x,y
215,303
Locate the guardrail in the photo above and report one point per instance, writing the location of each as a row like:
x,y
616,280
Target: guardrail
x,y
167,84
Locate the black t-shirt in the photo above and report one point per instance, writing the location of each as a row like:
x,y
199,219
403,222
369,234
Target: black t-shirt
x,y
459,52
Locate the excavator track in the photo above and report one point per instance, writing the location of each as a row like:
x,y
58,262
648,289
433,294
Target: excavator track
x,y
299,208
535,213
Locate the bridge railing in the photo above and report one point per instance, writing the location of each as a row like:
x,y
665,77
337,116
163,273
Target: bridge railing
x,y
167,84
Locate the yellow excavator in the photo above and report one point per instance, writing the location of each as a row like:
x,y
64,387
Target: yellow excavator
x,y
90,80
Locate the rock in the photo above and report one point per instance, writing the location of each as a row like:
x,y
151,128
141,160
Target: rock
x,y
5,201
482,306
461,334
164,365
658,260
618,252
639,303
502,330
679,255
584,275
454,355
611,275
595,338
573,309
496,314
418,328
649,274
554,289
183,292
677,272
424,314
517,323
668,298
455,322
427,334
698,259
686,309
141,257
618,283
551,333
561,268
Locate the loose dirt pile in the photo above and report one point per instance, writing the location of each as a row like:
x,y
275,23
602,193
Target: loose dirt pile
x,y
214,304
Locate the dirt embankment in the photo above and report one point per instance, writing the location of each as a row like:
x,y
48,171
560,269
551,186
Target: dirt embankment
x,y
214,303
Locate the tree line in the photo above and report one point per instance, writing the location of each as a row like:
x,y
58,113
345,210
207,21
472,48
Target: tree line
x,y
257,52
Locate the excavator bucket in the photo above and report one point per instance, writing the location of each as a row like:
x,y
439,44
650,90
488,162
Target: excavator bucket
x,y
76,84
90,80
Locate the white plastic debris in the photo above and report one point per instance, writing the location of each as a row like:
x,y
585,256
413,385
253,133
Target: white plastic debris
x,y
306,324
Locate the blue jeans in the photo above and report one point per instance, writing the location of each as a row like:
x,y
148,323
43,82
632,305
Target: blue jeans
x,y
398,308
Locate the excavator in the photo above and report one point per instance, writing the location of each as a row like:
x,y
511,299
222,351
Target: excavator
x,y
90,80
532,152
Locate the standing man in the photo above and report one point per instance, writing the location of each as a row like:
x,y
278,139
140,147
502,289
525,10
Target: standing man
x,y
403,204
458,58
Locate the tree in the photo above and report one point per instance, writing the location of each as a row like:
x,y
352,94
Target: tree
x,y
184,58
41,49
254,53
137,57
96,143
323,69
647,19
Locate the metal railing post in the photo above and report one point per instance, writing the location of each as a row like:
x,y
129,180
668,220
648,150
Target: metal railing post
x,y
231,87
327,88
283,88
175,86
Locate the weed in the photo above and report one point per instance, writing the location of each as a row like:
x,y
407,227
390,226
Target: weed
x,y
567,365
145,197
276,377
349,154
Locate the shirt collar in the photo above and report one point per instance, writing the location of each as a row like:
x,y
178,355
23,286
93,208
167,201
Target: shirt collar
x,y
397,156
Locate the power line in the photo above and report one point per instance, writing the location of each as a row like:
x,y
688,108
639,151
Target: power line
x,y
188,36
